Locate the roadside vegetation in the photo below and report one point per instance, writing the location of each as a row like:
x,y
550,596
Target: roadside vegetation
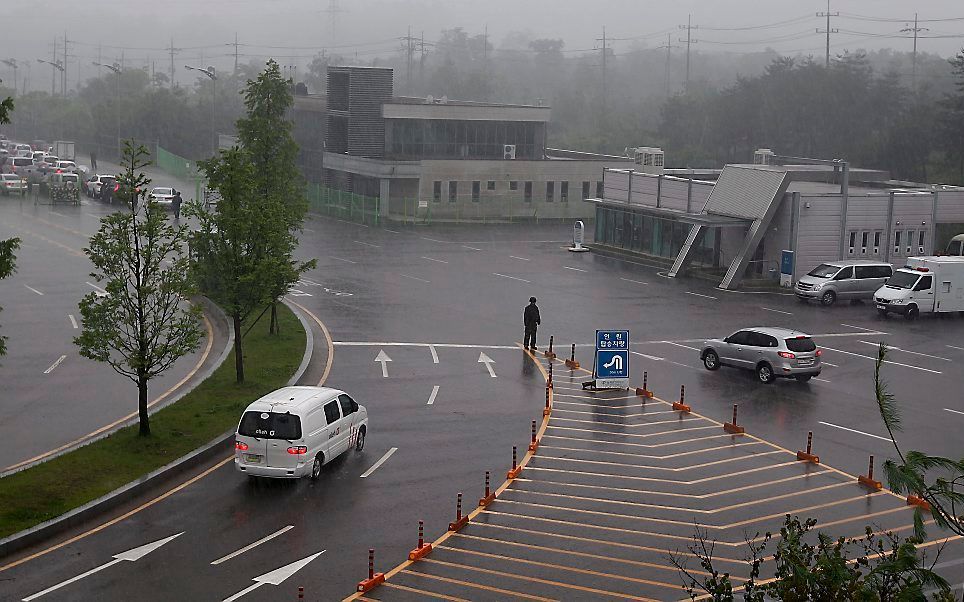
x,y
51,489
8,258
879,566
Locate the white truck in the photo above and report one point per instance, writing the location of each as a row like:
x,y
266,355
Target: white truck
x,y
923,285
64,150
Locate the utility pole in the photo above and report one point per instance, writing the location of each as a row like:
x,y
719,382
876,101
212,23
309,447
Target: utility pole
x,y
828,31
669,50
605,51
171,49
916,29
63,74
409,47
333,10
689,27
421,59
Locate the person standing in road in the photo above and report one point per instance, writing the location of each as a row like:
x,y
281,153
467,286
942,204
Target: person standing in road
x,y
93,161
531,319
176,204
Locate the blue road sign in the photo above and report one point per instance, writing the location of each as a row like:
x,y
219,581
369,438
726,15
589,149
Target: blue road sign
x,y
612,359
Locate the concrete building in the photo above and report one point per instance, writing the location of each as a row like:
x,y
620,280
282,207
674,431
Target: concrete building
x,y
441,159
734,224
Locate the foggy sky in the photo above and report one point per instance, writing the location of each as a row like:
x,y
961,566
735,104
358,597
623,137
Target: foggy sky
x,y
369,28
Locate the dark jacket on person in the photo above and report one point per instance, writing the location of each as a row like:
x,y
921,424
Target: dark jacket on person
x,y
531,317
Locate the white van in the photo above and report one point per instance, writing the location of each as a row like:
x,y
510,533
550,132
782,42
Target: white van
x,y
924,285
294,431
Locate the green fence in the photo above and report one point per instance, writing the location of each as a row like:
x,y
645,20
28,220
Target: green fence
x,y
179,167
343,205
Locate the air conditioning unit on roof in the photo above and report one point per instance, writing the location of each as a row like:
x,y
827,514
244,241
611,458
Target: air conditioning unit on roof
x,y
508,152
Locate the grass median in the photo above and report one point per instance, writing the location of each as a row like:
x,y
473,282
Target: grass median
x,y
48,490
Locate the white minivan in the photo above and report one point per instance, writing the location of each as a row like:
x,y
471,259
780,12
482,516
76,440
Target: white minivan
x,y
294,431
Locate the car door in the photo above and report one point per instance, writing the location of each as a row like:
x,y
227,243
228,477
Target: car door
x,y
734,352
844,282
335,439
764,348
924,293
349,412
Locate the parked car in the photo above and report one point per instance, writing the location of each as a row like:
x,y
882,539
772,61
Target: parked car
x,y
163,196
22,166
855,280
294,431
65,167
11,183
770,352
95,183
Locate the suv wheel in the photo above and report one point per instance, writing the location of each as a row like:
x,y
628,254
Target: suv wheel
x,y
711,360
316,467
765,373
828,298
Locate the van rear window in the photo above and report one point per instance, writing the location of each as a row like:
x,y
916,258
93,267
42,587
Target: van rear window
x,y
270,425
801,345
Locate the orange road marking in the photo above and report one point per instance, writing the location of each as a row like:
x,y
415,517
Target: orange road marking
x,y
644,456
676,455
478,586
646,466
328,339
622,425
672,481
423,592
672,432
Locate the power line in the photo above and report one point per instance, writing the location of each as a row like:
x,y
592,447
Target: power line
x,y
896,20
767,26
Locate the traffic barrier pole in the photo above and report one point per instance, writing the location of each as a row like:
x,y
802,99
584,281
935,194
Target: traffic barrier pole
x,y
549,382
533,445
732,427
644,390
516,469
808,456
423,548
545,412
301,593
460,521
489,495
869,479
681,404
374,579
571,362
549,353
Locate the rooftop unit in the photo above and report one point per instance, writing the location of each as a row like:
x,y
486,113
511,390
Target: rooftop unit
x,y
650,159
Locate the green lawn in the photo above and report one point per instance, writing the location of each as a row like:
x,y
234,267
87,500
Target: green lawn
x,y
50,489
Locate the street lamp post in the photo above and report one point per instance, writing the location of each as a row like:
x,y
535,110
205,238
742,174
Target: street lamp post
x,y
117,71
53,75
212,75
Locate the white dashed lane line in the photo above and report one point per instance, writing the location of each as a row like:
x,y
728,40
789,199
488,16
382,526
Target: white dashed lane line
x,y
380,461
874,359
341,259
431,398
32,289
679,345
367,244
519,258
777,311
843,428
889,348
565,267
435,260
55,364
700,295
471,248
633,281
954,347
861,328
510,277
251,546
73,321
954,411
415,278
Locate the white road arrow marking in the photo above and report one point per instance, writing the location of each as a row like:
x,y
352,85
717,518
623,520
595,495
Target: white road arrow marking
x,y
277,576
130,556
384,359
488,361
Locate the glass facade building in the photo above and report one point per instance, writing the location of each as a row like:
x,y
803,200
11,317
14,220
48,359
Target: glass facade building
x,y
654,235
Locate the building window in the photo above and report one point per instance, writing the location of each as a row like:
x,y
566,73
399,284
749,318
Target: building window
x,y
599,190
877,242
513,185
490,185
920,242
585,190
864,236
910,240
550,191
853,241
476,191
437,191
527,194
564,192
453,191
897,241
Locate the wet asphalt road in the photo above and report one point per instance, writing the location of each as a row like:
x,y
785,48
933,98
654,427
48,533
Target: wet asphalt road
x,y
47,386
460,292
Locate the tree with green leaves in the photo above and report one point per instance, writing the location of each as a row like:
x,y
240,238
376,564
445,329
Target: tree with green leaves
x,y
143,324
953,109
245,244
937,480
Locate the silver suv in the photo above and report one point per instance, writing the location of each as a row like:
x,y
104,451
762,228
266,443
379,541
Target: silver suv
x,y
771,352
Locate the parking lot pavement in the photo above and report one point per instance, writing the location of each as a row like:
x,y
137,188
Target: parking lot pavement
x,y
618,487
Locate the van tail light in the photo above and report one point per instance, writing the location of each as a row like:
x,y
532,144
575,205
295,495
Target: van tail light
x,y
786,354
819,352
240,446
298,450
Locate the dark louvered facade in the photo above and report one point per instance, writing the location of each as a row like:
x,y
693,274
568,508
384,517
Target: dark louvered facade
x,y
355,123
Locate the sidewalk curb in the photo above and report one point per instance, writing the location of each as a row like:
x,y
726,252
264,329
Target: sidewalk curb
x,y
216,447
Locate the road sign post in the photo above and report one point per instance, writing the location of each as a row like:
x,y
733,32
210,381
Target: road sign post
x,y
612,359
